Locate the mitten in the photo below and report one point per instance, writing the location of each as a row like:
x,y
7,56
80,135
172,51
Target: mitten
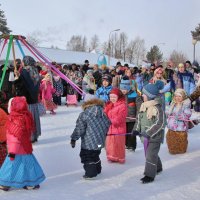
x,y
144,134
12,156
73,143
134,132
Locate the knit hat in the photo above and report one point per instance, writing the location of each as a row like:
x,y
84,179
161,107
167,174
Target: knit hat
x,y
152,90
108,78
117,92
125,83
90,71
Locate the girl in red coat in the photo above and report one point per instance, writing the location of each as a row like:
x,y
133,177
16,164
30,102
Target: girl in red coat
x,y
116,111
47,91
20,168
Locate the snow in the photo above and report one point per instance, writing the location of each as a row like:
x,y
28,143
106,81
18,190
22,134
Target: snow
x,y
61,164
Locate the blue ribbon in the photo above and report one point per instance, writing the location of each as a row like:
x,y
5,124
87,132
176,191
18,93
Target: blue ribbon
x,y
20,48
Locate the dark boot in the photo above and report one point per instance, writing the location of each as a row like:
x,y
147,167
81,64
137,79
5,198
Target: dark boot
x,y
147,179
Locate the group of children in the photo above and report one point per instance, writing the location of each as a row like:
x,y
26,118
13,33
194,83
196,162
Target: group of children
x,y
108,119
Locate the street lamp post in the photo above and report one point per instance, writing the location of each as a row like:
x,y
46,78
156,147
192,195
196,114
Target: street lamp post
x,y
109,46
194,42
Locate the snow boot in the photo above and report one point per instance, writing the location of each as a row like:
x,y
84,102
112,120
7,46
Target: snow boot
x,y
159,171
88,177
147,179
31,187
4,188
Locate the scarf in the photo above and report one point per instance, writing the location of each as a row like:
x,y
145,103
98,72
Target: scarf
x,y
149,107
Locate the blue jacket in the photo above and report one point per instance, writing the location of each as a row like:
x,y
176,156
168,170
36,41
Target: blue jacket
x,y
103,93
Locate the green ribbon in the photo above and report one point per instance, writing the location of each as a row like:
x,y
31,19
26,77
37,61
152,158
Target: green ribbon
x,y
6,62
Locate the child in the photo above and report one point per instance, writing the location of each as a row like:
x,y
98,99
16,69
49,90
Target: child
x,y
150,124
58,86
103,92
116,111
20,168
3,119
47,90
91,126
130,94
177,123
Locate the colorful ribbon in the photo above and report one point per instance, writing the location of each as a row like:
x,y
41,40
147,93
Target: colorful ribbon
x,y
6,62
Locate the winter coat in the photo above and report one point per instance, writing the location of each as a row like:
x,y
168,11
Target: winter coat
x,y
25,86
176,116
131,105
154,127
3,119
103,93
92,125
195,94
187,82
47,90
58,86
14,145
117,113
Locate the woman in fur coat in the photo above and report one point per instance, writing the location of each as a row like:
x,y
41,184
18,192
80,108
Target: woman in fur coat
x,y
177,123
116,110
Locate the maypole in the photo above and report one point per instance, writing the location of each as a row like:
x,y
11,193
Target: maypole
x,y
43,59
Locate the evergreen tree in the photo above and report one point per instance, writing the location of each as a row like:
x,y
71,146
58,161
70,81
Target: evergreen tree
x,y
196,33
154,54
3,23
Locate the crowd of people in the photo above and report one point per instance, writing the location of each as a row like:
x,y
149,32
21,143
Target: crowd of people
x,y
119,103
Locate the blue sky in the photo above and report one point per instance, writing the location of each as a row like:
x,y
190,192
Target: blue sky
x,y
155,21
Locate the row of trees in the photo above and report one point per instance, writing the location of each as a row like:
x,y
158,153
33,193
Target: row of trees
x,y
119,46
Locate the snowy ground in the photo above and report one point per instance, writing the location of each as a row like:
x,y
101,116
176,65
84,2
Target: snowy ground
x,y
61,164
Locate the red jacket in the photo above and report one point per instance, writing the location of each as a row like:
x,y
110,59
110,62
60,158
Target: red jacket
x,y
117,113
3,119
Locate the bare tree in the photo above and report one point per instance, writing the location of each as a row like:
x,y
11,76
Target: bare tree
x,y
123,45
33,39
77,43
135,51
177,57
105,49
94,43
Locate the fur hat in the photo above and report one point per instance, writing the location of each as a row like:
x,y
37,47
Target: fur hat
x,y
152,90
125,83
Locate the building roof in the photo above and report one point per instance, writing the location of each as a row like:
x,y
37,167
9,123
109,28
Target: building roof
x,y
60,56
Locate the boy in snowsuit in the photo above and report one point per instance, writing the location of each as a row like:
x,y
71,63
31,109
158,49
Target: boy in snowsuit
x,y
150,124
91,126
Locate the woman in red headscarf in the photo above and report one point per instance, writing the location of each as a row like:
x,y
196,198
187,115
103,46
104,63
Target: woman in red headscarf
x,y
116,111
20,168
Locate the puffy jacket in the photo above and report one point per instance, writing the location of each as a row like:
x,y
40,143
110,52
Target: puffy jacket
x,y
92,125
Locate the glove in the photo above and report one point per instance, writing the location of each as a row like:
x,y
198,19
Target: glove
x,y
134,132
73,143
12,156
144,134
